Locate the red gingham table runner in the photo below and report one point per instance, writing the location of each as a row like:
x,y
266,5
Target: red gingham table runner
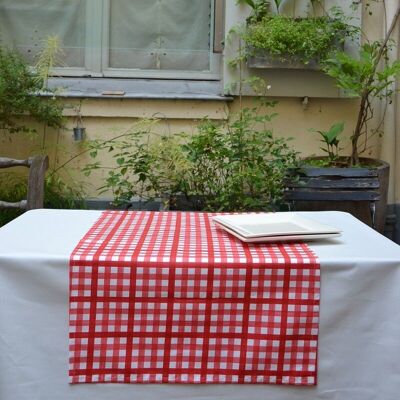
x,y
169,297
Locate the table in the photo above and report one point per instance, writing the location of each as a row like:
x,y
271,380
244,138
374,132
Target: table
x,y
359,345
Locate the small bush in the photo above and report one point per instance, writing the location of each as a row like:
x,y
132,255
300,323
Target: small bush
x,y
57,194
19,89
238,165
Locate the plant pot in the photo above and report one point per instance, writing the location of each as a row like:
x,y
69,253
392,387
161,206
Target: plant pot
x,y
79,134
362,191
258,57
184,203
263,59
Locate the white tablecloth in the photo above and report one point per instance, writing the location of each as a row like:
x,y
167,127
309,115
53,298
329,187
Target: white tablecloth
x,y
359,344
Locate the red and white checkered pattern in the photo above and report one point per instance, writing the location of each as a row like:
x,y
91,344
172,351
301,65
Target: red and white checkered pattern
x,y
170,297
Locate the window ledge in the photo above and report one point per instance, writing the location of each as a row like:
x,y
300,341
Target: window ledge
x,y
106,88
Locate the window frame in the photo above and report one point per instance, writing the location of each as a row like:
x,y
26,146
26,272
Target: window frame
x,y
97,36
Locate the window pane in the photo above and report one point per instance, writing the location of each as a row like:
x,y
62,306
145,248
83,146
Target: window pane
x,y
160,34
25,24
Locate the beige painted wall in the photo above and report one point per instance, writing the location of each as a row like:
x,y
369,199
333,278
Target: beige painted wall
x,y
105,119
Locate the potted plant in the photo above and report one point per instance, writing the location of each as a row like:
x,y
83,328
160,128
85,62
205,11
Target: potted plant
x,y
364,77
368,77
329,182
275,40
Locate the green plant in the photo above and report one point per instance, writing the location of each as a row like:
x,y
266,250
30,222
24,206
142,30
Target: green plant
x,y
288,38
19,88
147,165
234,166
330,138
260,8
305,39
238,165
365,77
12,188
50,57
278,3
57,193
60,194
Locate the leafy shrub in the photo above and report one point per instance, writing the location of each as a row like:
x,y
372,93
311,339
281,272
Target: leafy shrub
x,y
367,77
235,166
19,87
147,165
12,188
57,194
62,195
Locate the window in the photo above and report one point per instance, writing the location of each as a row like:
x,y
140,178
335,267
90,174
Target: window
x,y
118,38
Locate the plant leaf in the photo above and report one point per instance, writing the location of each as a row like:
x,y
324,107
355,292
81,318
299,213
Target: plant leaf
x,y
334,131
248,2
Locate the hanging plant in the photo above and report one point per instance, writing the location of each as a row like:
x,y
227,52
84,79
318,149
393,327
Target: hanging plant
x,y
273,38
304,40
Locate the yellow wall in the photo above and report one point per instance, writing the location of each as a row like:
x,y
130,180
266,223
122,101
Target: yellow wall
x,y
105,119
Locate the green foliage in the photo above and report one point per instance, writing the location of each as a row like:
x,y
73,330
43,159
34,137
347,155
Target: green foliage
x,y
49,58
19,87
62,195
303,38
278,4
146,164
57,194
358,75
235,166
366,77
238,165
12,188
260,8
287,38
330,138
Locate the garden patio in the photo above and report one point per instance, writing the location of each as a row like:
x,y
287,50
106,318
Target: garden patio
x,y
122,102
194,195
